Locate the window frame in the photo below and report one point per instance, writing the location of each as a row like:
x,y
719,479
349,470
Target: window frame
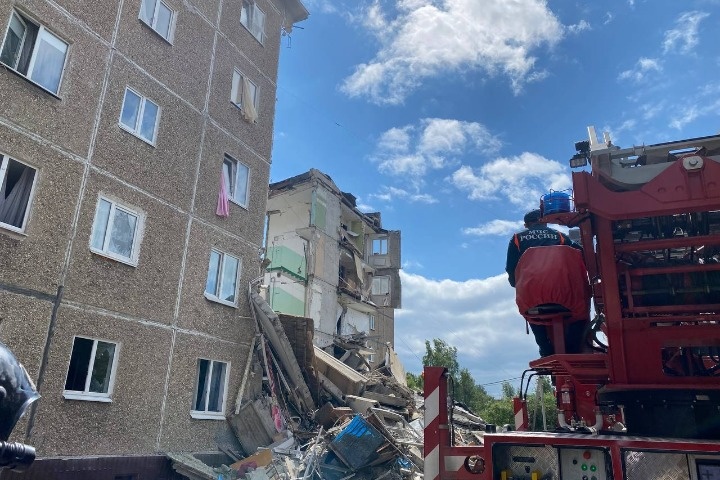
x,y
372,324
152,24
205,414
136,132
232,195
42,32
236,88
383,246
213,297
134,258
385,278
86,395
250,15
4,162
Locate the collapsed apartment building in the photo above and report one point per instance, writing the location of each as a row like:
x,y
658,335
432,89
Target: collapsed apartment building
x,y
329,261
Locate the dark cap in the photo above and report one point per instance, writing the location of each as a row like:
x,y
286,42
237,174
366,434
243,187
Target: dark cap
x,y
532,217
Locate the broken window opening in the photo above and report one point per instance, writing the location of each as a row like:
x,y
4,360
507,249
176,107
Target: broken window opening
x,y
380,285
380,246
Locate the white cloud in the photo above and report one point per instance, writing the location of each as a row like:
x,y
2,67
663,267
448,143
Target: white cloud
x,y
608,18
428,38
433,144
581,26
684,37
688,115
641,70
494,227
478,316
521,179
389,194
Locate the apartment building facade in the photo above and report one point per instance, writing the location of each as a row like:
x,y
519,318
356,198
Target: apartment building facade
x,y
331,262
135,145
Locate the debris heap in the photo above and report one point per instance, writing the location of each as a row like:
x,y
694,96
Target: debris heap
x,y
306,413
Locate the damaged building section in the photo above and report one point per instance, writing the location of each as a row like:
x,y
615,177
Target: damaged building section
x,y
327,260
304,412
312,413
324,395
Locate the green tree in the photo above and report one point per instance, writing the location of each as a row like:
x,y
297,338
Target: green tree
x,y
508,391
499,412
414,382
535,403
440,354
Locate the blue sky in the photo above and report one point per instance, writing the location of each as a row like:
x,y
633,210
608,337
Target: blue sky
x,y
453,118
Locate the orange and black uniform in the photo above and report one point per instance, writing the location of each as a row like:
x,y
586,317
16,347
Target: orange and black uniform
x,y
535,236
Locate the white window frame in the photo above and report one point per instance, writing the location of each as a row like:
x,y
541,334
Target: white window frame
x,y
87,395
42,34
152,23
383,245
249,6
232,194
141,112
204,414
236,90
213,297
4,162
372,322
137,236
376,281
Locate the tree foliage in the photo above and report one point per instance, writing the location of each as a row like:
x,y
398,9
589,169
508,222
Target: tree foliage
x,y
498,411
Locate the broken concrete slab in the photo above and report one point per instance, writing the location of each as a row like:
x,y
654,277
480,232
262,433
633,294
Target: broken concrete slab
x,y
386,399
273,329
253,425
360,404
345,378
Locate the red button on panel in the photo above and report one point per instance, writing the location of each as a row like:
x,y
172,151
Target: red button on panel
x,y
587,455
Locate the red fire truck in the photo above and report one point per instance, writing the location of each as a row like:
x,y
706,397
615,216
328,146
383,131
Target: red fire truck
x,y
645,402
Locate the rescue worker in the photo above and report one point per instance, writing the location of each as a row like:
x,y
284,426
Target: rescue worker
x,y
538,234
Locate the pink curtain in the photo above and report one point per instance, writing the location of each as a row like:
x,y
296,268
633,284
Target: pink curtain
x,y
223,205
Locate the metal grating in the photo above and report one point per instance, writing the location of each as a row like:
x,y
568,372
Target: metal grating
x,y
523,459
658,466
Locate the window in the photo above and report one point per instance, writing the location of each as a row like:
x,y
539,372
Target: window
x,y
380,286
210,388
34,52
372,322
221,285
237,179
244,95
91,373
139,116
379,246
159,16
253,19
17,181
116,231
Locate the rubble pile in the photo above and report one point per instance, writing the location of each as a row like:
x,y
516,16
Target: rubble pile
x,y
306,413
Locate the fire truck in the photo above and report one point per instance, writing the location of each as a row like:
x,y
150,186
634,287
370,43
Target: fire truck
x,y
644,402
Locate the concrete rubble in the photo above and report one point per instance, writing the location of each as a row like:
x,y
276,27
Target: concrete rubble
x,y
307,413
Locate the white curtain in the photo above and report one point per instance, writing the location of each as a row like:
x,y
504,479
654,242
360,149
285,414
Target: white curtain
x,y
248,104
13,204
